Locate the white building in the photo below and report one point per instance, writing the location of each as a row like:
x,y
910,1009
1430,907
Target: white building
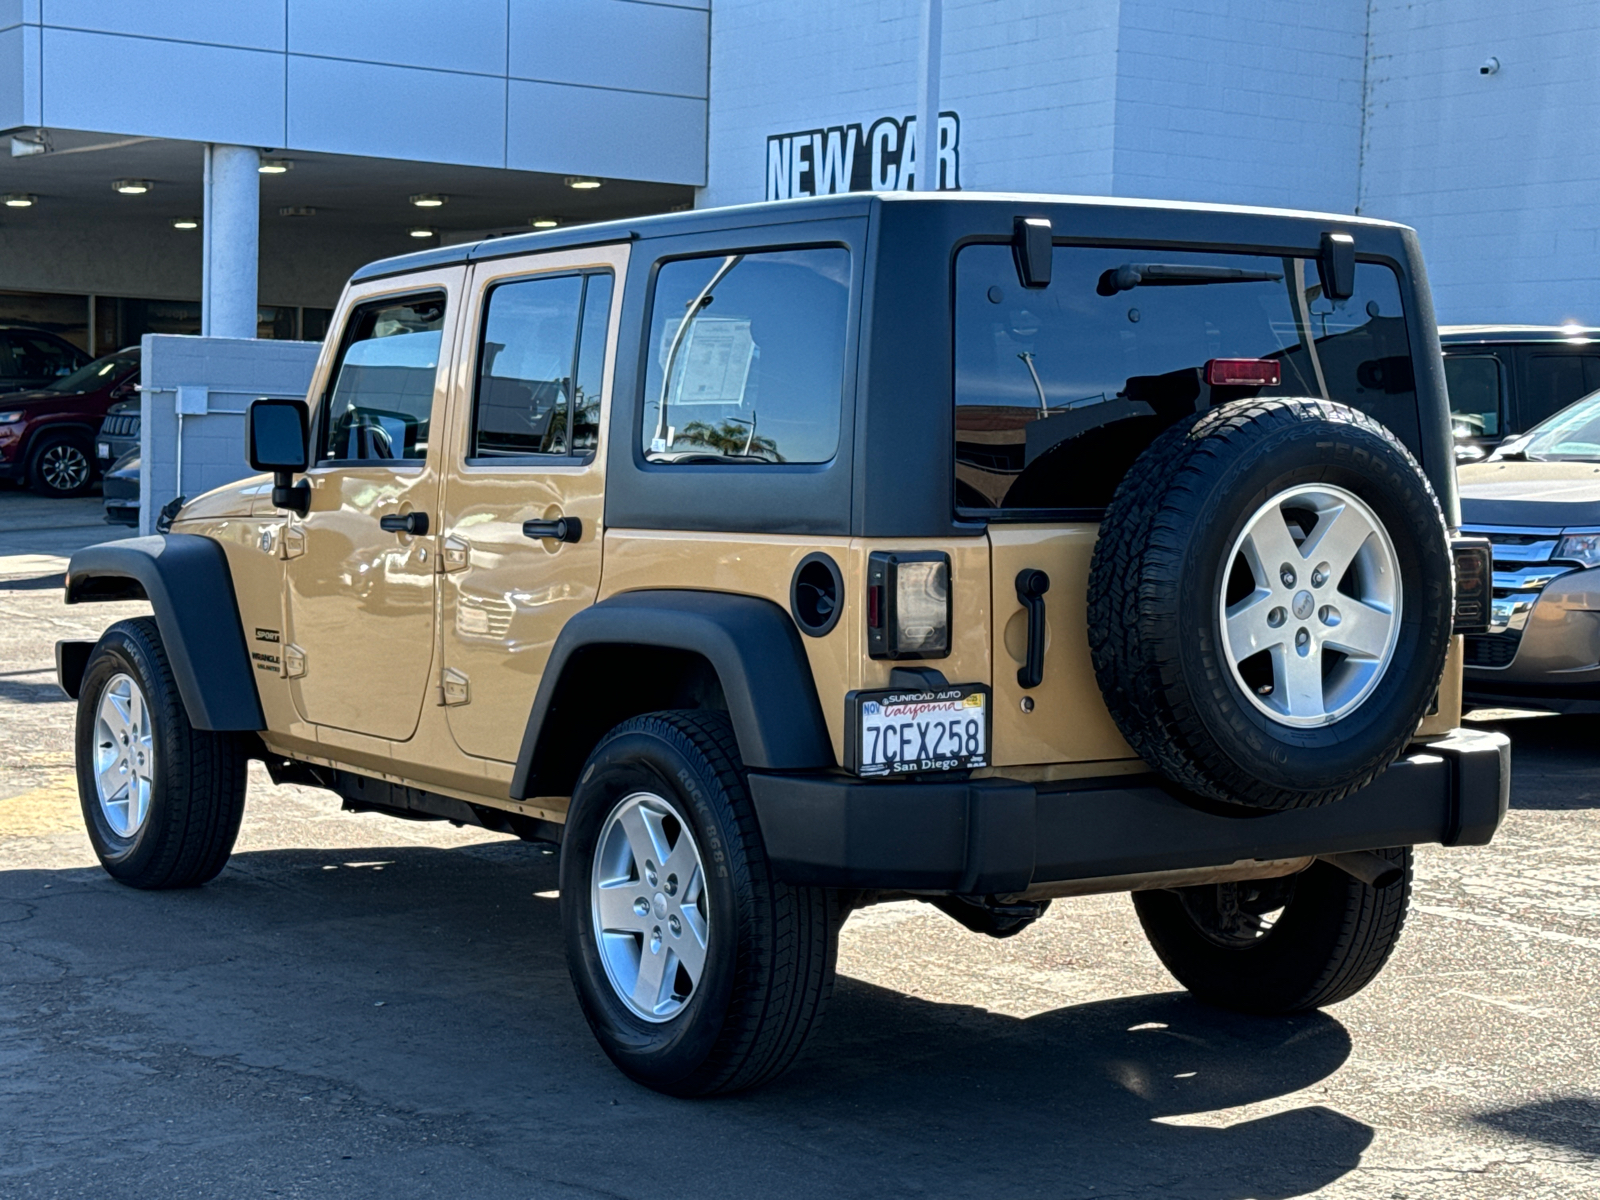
x,y
1473,121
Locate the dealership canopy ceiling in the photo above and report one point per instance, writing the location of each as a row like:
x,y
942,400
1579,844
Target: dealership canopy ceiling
x,y
75,180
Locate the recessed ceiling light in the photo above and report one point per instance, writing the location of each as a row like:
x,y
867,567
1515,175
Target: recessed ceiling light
x,y
19,200
544,222
274,166
428,200
131,187
297,210
185,223
582,183
420,231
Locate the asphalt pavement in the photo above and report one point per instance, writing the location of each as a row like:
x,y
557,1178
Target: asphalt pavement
x,y
364,1007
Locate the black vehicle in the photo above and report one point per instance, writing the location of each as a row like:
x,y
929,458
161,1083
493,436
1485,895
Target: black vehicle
x,y
1505,379
120,487
32,358
119,432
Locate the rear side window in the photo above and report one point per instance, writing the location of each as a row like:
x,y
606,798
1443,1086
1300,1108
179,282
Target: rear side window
x,y
1474,384
539,367
746,358
1553,380
1057,390
381,402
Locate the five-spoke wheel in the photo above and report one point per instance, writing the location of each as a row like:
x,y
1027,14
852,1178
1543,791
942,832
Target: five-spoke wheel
x,y
1311,606
647,899
124,756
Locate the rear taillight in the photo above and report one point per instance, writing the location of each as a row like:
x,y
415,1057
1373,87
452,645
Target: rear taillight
x,y
1474,558
908,605
1244,372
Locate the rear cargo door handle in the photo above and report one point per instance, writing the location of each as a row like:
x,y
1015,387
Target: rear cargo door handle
x,y
562,529
414,523
1031,587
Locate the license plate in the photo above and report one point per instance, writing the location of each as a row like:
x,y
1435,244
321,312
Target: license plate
x,y
896,733
103,449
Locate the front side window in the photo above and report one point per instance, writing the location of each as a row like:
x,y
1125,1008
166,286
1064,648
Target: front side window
x,y
747,358
381,403
1473,381
1058,390
539,370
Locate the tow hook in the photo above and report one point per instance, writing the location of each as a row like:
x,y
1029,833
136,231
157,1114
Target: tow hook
x,y
1371,869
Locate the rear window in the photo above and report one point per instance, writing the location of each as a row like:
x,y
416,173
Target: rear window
x,y
1057,390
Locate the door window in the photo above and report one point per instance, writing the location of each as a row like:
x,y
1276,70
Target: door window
x,y
1474,385
1551,381
381,403
539,367
747,358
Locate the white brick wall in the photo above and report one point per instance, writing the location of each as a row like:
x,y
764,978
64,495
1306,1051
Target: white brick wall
x,y
1336,105
1499,173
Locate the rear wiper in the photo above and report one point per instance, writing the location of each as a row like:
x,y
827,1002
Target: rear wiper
x,y
1131,275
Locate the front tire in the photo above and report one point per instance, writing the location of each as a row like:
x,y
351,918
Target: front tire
x,y
698,971
1275,946
161,799
61,467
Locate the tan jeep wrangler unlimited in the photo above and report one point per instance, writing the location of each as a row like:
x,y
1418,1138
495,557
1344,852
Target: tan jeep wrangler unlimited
x,y
778,560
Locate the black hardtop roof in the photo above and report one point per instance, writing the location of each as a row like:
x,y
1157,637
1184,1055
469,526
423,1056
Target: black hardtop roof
x,y
1497,335
848,204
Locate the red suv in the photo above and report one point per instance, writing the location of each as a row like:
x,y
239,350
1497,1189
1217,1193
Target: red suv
x,y
47,436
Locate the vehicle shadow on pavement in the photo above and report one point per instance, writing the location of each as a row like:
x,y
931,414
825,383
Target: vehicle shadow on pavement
x,y
1555,761
370,1020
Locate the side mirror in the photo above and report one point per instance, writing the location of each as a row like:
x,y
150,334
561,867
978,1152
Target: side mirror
x,y
275,436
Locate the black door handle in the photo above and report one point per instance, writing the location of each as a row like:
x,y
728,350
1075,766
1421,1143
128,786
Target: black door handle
x,y
414,523
1031,587
562,529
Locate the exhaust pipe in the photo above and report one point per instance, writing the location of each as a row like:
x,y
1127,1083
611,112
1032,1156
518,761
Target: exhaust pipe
x,y
1374,870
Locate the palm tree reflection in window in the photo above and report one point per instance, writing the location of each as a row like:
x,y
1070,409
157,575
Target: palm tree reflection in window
x,y
732,437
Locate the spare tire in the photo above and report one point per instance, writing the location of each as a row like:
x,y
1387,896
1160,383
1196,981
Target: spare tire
x,y
1270,602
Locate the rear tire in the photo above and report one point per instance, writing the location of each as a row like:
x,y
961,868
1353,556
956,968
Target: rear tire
x,y
691,987
61,466
162,800
1330,939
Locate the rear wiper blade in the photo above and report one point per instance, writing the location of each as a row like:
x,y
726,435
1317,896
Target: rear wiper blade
x,y
1131,275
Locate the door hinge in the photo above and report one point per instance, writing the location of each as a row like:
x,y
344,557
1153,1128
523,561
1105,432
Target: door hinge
x,y
292,544
453,688
294,662
456,554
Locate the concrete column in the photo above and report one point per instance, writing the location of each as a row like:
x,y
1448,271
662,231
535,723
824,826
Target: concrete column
x,y
231,230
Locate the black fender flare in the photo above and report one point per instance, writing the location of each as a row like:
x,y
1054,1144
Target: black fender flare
x,y
750,643
187,582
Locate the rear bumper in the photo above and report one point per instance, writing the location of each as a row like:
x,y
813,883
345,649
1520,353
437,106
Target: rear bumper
x,y
1000,836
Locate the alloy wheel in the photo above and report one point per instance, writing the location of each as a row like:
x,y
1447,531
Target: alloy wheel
x,y
649,906
124,755
1310,605
64,467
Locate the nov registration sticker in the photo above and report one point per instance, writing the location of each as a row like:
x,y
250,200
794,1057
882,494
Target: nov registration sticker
x,y
896,733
